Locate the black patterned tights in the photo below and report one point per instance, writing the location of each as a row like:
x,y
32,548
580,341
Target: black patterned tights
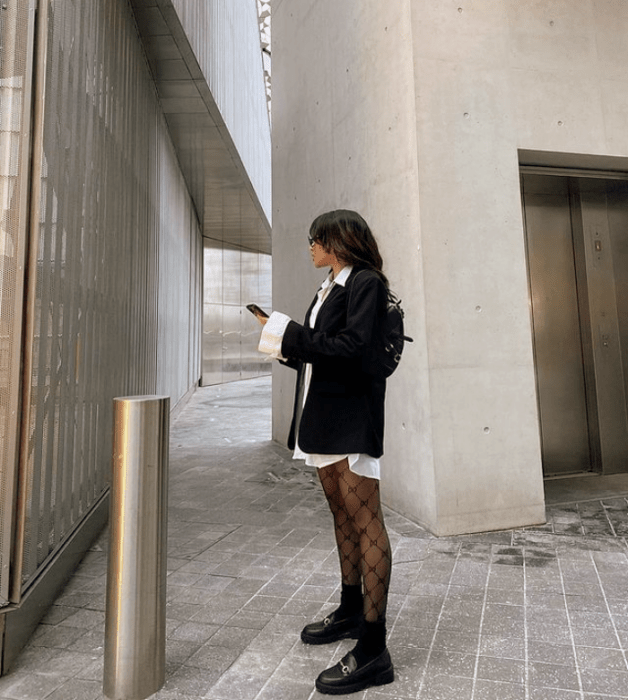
x,y
363,546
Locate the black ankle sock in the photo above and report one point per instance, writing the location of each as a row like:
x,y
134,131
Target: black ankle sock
x,y
372,641
351,601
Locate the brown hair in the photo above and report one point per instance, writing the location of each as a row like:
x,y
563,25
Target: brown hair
x,y
346,234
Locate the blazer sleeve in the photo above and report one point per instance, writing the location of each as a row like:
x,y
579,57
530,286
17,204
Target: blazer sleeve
x,y
365,302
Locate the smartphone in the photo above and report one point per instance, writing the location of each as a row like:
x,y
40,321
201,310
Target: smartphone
x,y
256,311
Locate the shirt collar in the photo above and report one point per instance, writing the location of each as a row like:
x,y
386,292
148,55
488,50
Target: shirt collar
x,y
341,279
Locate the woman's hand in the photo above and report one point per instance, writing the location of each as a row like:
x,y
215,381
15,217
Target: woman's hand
x,y
262,319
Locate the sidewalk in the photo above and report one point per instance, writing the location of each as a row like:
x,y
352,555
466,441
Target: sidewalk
x,y
532,614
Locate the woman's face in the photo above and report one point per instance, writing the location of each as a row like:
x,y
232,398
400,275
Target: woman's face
x,y
320,257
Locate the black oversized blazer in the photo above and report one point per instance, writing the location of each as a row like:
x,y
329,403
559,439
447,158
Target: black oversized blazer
x,y
344,410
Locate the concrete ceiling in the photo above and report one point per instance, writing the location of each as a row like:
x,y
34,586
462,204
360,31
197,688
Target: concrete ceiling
x,y
224,198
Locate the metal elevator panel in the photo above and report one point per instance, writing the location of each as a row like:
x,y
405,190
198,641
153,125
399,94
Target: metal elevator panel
x,y
618,228
591,206
556,322
577,244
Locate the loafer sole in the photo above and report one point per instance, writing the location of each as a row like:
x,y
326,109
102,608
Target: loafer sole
x,y
382,678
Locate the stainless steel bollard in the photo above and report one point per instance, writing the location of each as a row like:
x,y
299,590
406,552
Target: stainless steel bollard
x,y
135,621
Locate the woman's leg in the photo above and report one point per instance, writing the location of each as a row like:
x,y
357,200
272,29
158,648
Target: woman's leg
x,y
347,538
360,501
346,620
368,663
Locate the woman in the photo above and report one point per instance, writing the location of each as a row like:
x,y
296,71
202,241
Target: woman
x,y
338,427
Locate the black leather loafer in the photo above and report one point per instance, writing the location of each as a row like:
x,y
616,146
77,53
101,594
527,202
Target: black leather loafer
x,y
331,629
347,677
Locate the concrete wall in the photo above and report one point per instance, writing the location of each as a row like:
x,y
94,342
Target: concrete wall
x,y
344,135
416,114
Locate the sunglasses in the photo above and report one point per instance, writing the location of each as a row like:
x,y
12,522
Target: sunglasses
x,y
311,241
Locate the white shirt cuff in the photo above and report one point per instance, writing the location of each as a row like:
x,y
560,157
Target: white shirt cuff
x,y
272,335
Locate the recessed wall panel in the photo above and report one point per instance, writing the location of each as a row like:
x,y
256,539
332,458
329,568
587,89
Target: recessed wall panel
x,y
231,341
234,277
231,275
265,282
212,271
212,344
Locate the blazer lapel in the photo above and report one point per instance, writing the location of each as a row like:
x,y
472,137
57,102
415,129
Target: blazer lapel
x,y
308,313
330,305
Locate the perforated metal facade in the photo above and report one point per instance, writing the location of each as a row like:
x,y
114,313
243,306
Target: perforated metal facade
x,y
119,156
117,265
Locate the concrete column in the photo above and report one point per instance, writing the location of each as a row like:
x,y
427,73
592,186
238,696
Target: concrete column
x,y
344,130
419,114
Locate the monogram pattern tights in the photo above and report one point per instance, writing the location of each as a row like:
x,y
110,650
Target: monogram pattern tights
x,y
363,545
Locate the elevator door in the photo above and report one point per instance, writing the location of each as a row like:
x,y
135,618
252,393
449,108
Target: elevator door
x,y
577,246
558,341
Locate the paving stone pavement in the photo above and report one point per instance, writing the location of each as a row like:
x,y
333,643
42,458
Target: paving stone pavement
x,y
531,614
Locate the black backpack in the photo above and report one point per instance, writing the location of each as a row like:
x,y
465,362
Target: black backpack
x,y
386,354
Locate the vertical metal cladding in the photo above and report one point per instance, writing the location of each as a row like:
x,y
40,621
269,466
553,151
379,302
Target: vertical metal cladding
x,y
225,39
16,40
118,266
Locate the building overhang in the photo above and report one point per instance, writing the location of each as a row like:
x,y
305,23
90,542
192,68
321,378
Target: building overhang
x,y
224,197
